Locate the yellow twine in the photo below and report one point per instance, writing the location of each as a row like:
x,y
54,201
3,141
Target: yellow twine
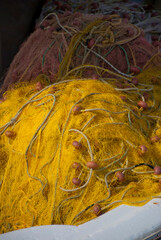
x,y
36,166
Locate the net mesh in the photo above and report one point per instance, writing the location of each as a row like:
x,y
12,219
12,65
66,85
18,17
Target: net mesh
x,y
61,43
78,148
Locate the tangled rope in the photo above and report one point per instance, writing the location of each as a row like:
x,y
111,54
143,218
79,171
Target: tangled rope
x,y
92,147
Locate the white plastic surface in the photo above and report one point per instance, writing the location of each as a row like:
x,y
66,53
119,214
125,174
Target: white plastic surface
x,y
123,222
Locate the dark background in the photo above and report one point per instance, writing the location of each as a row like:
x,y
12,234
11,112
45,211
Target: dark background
x,y
17,21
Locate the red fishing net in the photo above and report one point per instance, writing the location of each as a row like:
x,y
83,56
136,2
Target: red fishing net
x,y
63,42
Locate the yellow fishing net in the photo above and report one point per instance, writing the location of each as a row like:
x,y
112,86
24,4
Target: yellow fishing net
x,y
78,148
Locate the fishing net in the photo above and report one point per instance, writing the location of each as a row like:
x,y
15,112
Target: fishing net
x,y
146,16
78,148
63,42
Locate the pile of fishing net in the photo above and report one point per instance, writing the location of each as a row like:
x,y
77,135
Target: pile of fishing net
x,y
147,16
135,11
65,41
76,149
